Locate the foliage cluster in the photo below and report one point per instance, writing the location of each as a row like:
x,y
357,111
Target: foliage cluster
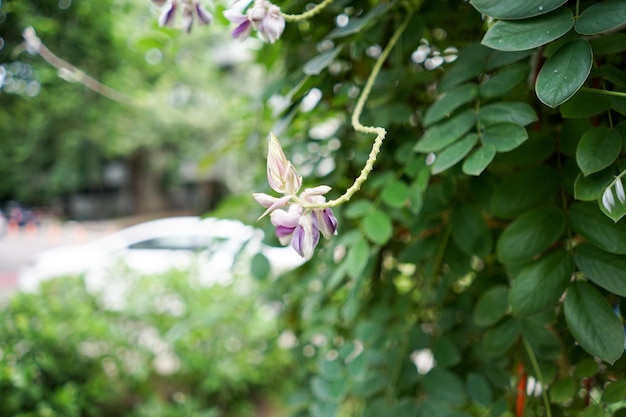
x,y
174,350
482,237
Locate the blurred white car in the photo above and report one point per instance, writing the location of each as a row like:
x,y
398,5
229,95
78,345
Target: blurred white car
x,y
211,250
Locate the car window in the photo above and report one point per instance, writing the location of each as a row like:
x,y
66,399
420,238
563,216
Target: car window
x,y
174,243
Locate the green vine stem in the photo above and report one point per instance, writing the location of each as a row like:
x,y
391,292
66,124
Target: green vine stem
x,y
357,126
535,364
308,14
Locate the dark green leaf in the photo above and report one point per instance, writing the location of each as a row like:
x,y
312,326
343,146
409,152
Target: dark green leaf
x,y
614,392
604,269
503,82
454,153
504,136
516,112
540,284
479,389
530,234
497,59
601,17
562,390
598,148
524,190
446,352
396,194
328,391
564,73
357,258
587,220
445,385
516,10
529,33
610,44
591,187
377,227
468,65
497,340
585,104
593,323
478,160
470,231
357,24
543,340
318,63
450,101
491,306
443,134
593,410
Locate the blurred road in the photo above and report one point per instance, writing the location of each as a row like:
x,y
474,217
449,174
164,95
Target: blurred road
x,y
19,246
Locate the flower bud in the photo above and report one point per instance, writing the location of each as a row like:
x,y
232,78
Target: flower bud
x,y
272,25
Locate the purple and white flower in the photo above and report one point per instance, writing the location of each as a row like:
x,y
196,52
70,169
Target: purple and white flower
x,y
190,10
298,225
262,16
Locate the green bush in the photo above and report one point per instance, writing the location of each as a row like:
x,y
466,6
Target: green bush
x,y
172,349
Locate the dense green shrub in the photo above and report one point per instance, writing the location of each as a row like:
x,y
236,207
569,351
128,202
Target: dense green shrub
x,y
171,348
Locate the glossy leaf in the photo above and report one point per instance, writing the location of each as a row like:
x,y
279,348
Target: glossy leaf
x,y
448,102
479,159
491,306
454,153
504,136
591,187
603,269
516,10
499,339
587,220
540,284
443,134
524,190
601,17
529,33
377,227
516,112
598,148
564,73
593,323
530,234
469,64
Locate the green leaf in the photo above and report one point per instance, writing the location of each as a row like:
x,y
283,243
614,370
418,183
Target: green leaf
x,y
450,101
516,9
504,136
470,231
585,104
603,269
328,391
498,340
587,220
446,352
614,392
357,258
491,306
356,24
479,389
530,234
358,208
516,112
469,64
540,284
454,153
609,45
618,210
396,194
562,390
601,17
542,339
377,227
598,148
445,385
591,187
478,160
497,59
529,33
503,82
593,323
564,73
443,134
593,410
318,63
524,190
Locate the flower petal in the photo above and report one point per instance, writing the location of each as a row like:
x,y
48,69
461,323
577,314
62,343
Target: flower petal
x,y
203,14
319,190
168,14
619,190
608,201
306,236
272,25
327,222
283,218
